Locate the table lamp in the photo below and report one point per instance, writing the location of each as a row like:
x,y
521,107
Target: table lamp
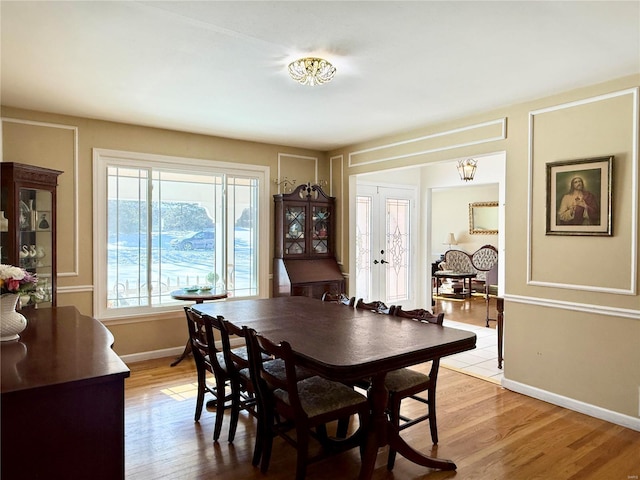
x,y
450,239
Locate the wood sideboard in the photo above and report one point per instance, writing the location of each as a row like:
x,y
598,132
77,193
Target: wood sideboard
x,y
62,399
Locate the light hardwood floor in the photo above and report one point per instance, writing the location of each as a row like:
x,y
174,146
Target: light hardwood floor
x,y
491,433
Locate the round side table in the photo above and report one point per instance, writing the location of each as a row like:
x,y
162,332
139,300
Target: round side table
x,y
197,296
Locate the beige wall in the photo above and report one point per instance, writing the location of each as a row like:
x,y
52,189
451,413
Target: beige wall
x,y
572,306
562,341
66,143
450,214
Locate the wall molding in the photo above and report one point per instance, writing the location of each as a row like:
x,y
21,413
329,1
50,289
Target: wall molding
x,y
633,254
340,159
576,307
281,156
76,223
485,132
573,404
75,289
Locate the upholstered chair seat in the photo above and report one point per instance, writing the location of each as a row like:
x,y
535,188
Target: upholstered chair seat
x,y
319,396
405,379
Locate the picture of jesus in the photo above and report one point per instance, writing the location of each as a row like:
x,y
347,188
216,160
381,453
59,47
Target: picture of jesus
x,y
579,197
579,206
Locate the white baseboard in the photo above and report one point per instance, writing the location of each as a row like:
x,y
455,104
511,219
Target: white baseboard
x,y
139,357
169,352
572,404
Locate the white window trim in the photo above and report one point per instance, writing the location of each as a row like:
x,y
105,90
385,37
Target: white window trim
x,y
102,157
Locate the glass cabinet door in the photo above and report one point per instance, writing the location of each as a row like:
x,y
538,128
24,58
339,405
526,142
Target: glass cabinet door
x,y
320,228
294,239
35,242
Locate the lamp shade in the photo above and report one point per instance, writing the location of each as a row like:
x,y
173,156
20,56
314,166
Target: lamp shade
x,y
450,239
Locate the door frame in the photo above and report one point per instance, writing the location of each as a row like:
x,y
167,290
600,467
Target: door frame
x,y
423,256
414,236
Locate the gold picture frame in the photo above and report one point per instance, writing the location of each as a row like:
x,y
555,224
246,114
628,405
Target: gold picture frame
x,y
483,218
579,197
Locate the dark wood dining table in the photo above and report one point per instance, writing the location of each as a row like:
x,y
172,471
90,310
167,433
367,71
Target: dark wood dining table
x,y
346,344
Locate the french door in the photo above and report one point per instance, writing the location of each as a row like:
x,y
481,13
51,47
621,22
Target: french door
x,y
384,244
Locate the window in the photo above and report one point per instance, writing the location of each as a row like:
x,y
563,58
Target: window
x,y
165,223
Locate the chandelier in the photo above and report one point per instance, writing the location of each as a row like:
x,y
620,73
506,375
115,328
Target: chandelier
x,y
311,71
467,169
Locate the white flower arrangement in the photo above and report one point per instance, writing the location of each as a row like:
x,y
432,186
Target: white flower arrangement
x,y
16,280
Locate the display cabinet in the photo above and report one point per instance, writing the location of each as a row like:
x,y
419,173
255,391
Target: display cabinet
x,y
304,250
28,226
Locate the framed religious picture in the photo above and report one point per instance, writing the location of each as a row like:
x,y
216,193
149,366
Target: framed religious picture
x,y
579,197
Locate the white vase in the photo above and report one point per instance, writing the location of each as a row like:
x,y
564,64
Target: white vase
x,y
12,323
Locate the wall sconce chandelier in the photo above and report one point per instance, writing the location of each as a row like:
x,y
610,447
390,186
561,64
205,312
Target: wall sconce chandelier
x,y
467,169
311,71
286,184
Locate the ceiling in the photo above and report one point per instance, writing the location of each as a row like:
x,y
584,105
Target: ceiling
x,y
219,68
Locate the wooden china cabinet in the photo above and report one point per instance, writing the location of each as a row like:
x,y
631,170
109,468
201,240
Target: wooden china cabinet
x,y
28,236
304,258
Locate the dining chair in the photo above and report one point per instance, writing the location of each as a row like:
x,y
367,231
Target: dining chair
x,y
490,280
208,359
375,306
242,382
237,363
341,298
406,383
289,403
338,298
419,314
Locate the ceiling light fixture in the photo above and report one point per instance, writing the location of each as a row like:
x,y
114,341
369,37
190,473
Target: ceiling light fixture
x,y
467,169
311,71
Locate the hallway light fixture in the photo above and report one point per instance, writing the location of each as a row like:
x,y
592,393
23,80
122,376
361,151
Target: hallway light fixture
x,y
467,169
311,71
450,239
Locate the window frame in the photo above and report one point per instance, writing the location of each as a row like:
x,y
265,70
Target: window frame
x,y
102,159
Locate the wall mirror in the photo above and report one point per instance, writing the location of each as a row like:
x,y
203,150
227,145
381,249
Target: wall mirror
x,y
483,218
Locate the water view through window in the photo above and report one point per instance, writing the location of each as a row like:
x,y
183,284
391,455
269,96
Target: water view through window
x,y
170,229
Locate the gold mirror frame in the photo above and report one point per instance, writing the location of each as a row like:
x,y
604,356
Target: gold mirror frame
x,y
483,218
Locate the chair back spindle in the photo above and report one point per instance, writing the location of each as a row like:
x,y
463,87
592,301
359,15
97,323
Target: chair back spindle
x,y
338,298
375,306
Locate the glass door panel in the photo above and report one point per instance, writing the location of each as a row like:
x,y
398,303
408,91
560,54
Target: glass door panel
x,y
35,243
294,243
383,244
320,229
397,249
